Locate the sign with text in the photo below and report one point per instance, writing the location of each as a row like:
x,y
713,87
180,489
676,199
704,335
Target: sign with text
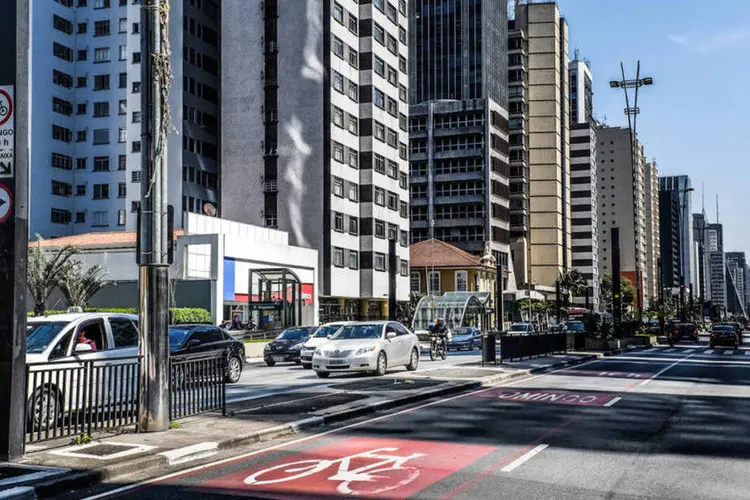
x,y
7,132
546,396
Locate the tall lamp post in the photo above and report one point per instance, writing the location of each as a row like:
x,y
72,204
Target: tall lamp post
x,y
632,114
683,205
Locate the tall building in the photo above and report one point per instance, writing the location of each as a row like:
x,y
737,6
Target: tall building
x,y
669,236
717,276
736,283
702,267
681,185
86,103
314,137
653,245
622,202
583,179
549,171
458,129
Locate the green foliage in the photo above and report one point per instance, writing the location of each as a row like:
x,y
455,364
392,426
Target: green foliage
x,y
174,424
79,285
189,315
405,310
81,439
627,292
46,267
572,284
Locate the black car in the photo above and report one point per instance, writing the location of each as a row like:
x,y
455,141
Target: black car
x,y
287,346
724,335
196,339
685,331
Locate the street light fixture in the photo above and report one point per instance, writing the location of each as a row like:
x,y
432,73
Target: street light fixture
x,y
633,112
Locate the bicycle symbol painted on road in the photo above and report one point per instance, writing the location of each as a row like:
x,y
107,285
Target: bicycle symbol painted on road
x,y
386,472
3,110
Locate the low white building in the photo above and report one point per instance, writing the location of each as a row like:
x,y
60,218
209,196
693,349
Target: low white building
x,y
212,268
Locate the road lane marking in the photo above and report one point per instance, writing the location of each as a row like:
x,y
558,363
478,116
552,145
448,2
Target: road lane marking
x,y
524,458
656,375
729,351
245,456
670,350
708,351
190,453
746,353
612,401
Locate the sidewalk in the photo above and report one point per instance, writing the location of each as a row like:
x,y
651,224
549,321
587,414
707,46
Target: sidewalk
x,y
55,465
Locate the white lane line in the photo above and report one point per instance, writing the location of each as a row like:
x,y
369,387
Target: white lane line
x,y
729,351
524,458
190,453
612,401
656,375
670,350
708,351
747,353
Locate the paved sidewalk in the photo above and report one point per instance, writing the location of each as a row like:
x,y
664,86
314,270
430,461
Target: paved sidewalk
x,y
258,419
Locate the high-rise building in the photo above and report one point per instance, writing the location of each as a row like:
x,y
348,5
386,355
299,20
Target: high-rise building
x,y
458,129
681,185
314,137
717,276
546,32
736,283
86,107
653,246
622,202
669,236
583,179
702,267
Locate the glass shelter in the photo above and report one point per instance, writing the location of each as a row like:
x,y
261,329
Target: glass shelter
x,y
276,295
457,309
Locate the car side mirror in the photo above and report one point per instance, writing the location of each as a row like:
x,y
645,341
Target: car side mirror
x,y
82,348
193,343
390,335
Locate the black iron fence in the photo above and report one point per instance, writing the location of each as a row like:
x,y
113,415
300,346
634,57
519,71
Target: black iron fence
x,y
198,383
73,397
518,347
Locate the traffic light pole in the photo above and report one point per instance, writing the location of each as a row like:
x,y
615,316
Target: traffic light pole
x,y
14,165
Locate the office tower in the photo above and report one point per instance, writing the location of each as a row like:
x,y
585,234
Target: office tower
x,y
736,283
651,198
583,179
717,279
622,202
681,185
703,271
86,113
549,183
669,236
459,125
314,137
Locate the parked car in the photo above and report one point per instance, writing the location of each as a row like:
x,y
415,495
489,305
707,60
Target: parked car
x,y
468,338
321,336
62,344
574,327
724,335
195,339
521,329
685,331
286,347
367,347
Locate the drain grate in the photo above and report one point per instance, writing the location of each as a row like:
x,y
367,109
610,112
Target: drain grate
x,y
105,450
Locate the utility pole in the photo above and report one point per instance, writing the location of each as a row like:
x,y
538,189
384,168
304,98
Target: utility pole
x,y
14,170
153,247
616,283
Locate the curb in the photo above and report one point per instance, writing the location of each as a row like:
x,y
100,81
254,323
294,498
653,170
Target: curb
x,y
91,477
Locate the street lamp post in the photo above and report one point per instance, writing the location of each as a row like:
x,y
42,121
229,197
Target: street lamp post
x,y
632,114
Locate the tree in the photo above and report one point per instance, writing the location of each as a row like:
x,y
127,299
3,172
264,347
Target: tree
x,y
405,310
627,292
46,267
572,284
79,285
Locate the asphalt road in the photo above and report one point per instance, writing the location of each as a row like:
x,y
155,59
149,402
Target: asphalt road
x,y
667,423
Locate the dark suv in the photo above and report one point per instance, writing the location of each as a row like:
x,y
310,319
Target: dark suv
x,y
684,331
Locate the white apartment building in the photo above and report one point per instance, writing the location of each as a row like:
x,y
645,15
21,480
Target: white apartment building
x,y
653,243
86,113
315,139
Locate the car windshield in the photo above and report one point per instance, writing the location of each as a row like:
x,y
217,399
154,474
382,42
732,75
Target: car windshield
x,y
293,334
724,328
359,332
519,328
325,331
575,326
177,336
40,335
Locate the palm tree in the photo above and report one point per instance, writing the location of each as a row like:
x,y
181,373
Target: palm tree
x,y
79,285
572,284
46,268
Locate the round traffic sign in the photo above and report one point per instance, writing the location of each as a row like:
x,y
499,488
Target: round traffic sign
x,y
6,107
6,202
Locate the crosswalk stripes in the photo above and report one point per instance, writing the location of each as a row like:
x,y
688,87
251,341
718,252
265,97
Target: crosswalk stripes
x,y
729,351
697,350
709,351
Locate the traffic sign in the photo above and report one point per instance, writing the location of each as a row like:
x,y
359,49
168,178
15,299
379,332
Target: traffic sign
x,y
7,132
6,203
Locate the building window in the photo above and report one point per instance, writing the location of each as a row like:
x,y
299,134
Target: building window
x,y
379,229
63,52
402,34
122,134
353,225
353,259
101,55
353,158
353,192
100,4
136,87
81,190
122,190
404,265
101,82
404,238
353,58
392,45
338,47
136,117
379,164
379,131
136,146
378,33
101,136
338,152
379,98
123,80
433,283
462,281
353,91
353,125
402,64
136,57
392,201
101,163
379,261
101,191
100,219
123,52
61,106
101,109
60,216
338,257
338,12
338,222
123,107
338,186
392,76
380,196
402,93
392,232
81,136
61,188
402,180
414,282
338,117
122,162
82,55
392,169
62,134
379,66
81,163
392,138
338,82
80,217
392,107
101,28
404,210
135,206
353,24
121,217
82,28
62,162
135,176
81,108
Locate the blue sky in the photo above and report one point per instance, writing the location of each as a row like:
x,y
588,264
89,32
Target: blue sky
x,y
695,119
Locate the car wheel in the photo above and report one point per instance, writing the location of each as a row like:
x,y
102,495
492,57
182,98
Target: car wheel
x,y
270,363
323,374
382,365
413,360
306,366
234,370
43,409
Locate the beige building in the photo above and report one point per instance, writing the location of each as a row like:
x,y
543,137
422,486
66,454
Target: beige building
x,y
653,246
549,171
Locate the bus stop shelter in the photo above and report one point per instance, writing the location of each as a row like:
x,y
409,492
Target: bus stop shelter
x,y
457,309
276,294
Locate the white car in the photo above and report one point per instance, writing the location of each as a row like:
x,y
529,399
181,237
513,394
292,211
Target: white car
x,y
320,337
371,346
521,329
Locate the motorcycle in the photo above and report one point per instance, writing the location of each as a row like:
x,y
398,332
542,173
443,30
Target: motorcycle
x,y
438,347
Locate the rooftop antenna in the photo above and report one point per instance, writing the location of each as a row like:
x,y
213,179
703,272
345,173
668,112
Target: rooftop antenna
x,y
717,209
576,53
703,198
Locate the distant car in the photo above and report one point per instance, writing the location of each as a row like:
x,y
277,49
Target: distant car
x,y
468,338
685,331
521,329
558,328
194,339
367,347
286,347
724,335
319,337
574,327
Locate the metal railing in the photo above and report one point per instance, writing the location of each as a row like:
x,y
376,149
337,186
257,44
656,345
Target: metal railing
x,y
198,383
518,347
73,397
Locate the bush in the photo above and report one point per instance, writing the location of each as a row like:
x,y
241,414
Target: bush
x,y
189,315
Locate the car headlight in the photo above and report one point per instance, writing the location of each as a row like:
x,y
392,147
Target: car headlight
x,y
297,347
365,350
318,352
267,347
